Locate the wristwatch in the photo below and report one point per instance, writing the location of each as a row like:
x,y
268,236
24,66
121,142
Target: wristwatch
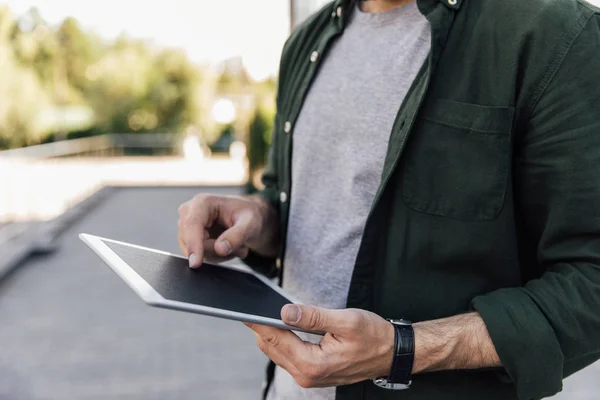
x,y
400,376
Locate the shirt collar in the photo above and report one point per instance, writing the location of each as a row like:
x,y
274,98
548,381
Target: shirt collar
x,y
425,6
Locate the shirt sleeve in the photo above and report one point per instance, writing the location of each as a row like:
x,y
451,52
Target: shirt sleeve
x,y
550,327
265,265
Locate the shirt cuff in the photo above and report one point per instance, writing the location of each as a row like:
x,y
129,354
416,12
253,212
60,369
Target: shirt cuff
x,y
525,341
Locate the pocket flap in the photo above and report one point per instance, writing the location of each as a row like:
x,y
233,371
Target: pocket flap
x,y
472,117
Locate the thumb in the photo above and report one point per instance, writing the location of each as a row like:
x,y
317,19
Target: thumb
x,y
234,239
313,318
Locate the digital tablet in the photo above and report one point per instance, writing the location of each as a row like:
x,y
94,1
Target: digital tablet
x,y
165,280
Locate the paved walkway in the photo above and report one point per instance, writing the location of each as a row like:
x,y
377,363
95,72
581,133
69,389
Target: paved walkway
x,y
70,329
584,385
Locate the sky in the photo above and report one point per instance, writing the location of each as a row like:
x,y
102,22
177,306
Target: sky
x,y
208,30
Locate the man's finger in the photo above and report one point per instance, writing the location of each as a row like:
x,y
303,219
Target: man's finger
x,y
285,346
183,209
234,239
182,245
194,225
210,253
320,319
275,356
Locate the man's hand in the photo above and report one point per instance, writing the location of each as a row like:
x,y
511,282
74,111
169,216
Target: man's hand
x,y
217,228
358,346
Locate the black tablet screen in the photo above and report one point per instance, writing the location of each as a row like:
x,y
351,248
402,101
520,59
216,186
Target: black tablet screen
x,y
210,285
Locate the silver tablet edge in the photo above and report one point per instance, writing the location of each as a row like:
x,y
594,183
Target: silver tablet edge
x,y
120,267
215,312
153,298
247,270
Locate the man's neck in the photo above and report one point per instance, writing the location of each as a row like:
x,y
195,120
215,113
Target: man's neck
x,y
375,6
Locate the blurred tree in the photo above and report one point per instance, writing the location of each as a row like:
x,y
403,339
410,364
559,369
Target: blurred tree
x,y
117,83
258,145
174,90
78,50
137,89
259,130
22,97
7,24
131,85
48,76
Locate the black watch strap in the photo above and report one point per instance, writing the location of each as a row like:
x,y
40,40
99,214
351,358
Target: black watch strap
x,y
404,353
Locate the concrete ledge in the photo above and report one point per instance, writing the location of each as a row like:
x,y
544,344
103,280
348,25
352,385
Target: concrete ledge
x,y
42,237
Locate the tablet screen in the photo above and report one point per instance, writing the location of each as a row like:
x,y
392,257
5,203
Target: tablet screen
x,y
210,285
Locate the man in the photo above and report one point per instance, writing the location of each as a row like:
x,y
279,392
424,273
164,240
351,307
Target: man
x,y
437,162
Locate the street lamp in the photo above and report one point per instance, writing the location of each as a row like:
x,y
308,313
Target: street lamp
x,y
224,111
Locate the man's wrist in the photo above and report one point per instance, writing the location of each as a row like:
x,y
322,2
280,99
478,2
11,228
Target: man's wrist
x,y
432,349
459,342
387,352
399,356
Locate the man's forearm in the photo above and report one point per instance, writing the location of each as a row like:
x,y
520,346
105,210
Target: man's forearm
x,y
459,342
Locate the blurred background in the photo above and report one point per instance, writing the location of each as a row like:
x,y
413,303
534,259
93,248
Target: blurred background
x,y
112,114
84,88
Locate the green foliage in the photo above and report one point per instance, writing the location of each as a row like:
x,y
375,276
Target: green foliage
x,y
131,86
77,51
258,146
259,139
22,97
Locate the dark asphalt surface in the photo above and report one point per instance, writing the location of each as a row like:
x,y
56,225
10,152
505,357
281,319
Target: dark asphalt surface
x,y
71,329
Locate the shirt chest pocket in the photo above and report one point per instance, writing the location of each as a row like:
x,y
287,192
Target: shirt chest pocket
x,y
457,160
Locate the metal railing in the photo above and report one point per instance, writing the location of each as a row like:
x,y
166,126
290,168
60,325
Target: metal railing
x,y
96,144
41,182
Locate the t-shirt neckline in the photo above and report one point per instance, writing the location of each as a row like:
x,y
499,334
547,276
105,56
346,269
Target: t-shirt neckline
x,y
385,17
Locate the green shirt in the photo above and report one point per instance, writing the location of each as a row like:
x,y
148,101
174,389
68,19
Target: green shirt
x,y
490,193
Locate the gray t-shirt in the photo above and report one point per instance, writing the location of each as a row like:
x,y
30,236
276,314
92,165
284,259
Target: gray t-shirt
x,y
340,143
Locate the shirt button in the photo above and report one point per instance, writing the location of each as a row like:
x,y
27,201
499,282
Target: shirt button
x,y
314,56
338,11
452,2
283,197
287,127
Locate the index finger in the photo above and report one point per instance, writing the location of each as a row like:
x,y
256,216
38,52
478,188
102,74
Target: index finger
x,y
283,346
194,224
